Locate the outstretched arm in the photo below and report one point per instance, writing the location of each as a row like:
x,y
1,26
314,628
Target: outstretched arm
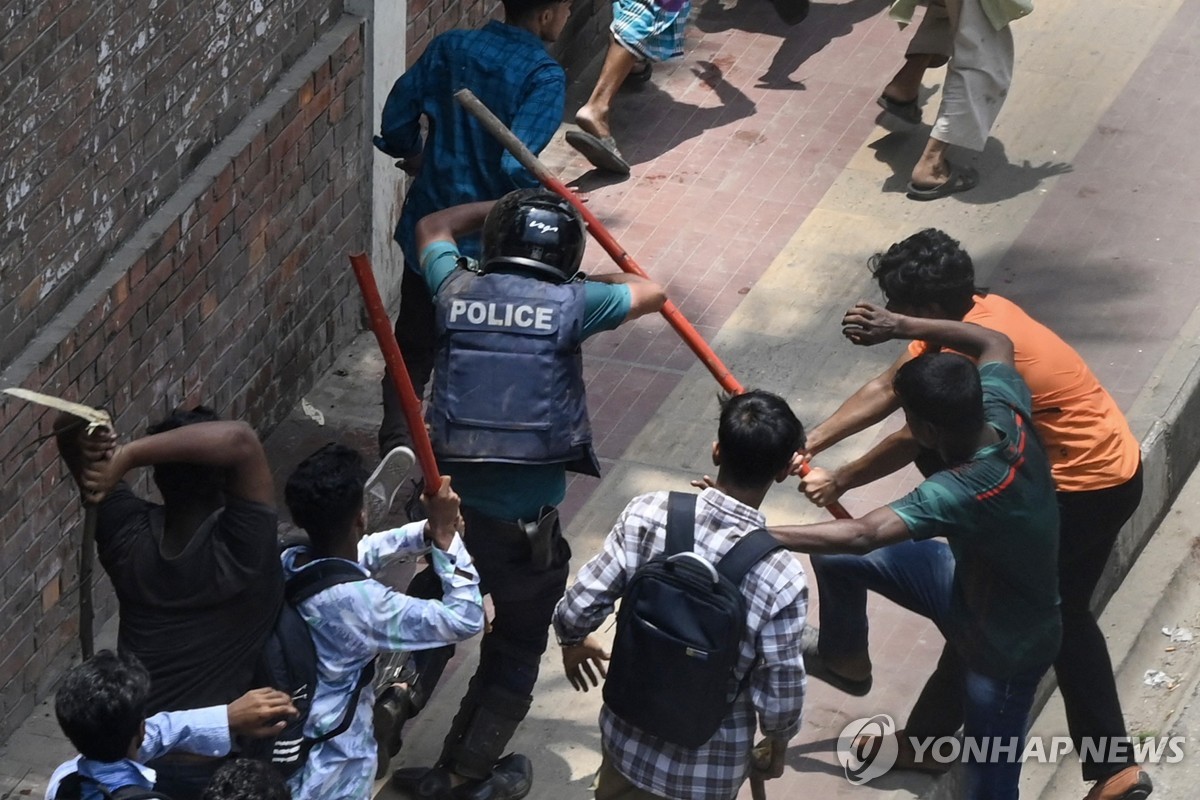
x,y
869,324
824,487
645,296
874,401
859,536
232,446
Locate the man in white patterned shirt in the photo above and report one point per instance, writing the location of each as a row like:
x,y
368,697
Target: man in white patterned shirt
x,y
757,438
353,622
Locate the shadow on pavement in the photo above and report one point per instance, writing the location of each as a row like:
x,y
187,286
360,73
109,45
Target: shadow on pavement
x,y
999,178
641,145
825,22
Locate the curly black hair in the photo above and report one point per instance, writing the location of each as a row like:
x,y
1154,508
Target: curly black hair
x,y
246,779
325,493
926,268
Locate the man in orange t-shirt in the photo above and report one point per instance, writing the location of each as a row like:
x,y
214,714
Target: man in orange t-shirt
x,y
1096,464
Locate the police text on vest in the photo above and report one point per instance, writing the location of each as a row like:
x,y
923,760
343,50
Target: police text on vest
x,y
503,315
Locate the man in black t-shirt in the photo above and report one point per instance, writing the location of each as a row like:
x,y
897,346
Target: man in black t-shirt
x,y
197,578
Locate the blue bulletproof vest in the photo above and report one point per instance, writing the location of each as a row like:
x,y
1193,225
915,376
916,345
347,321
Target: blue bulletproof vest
x,y
508,375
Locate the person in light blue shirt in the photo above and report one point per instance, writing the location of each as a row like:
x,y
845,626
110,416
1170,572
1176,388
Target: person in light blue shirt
x,y
354,622
101,707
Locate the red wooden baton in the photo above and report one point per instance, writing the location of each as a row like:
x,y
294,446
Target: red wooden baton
x,y
382,328
601,234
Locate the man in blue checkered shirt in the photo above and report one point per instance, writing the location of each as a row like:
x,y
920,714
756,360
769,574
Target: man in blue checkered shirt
x,y
505,64
758,436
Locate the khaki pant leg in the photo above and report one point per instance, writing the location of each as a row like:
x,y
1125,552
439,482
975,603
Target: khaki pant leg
x,y
977,79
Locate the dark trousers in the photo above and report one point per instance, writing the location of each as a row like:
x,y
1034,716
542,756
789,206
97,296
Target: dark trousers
x,y
417,337
1088,526
524,595
919,576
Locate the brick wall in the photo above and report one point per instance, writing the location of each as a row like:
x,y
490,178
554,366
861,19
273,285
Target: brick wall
x,y
217,275
108,106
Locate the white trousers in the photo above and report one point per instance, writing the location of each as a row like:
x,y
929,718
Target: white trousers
x,y
978,74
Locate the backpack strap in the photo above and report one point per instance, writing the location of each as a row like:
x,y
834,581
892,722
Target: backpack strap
x,y
70,787
748,551
365,677
314,578
681,523
319,576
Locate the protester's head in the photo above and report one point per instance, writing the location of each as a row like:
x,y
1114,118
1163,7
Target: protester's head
x,y
179,480
926,275
757,437
325,495
101,705
943,403
534,232
546,18
246,779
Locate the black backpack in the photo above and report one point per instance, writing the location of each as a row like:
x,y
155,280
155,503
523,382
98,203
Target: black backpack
x,y
71,788
289,663
679,634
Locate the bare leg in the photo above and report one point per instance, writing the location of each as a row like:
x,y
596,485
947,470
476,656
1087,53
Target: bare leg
x,y
593,117
931,168
904,87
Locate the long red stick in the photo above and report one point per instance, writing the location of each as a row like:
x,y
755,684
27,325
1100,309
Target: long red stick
x,y
382,328
601,234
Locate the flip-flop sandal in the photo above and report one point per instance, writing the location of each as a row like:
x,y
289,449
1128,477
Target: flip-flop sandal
x,y
908,112
792,12
602,153
961,179
380,489
638,78
815,666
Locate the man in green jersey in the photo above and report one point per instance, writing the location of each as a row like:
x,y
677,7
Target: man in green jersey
x,y
991,587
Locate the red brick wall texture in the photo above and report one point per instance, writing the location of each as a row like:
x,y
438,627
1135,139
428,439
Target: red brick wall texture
x,y
239,300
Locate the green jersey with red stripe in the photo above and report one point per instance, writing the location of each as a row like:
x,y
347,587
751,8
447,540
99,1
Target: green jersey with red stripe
x,y
999,514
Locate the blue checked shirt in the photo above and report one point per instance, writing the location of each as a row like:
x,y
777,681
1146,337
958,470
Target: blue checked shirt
x,y
204,731
777,601
351,624
509,70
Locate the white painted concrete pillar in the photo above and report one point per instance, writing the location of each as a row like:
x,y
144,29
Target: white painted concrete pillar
x,y
386,29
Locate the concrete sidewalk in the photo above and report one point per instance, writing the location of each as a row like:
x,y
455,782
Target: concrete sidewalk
x,y
758,201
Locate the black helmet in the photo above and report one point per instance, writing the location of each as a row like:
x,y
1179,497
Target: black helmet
x,y
533,230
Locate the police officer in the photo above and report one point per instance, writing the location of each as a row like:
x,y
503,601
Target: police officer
x,y
508,418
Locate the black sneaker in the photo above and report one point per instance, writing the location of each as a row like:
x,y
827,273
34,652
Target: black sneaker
x,y
423,783
511,779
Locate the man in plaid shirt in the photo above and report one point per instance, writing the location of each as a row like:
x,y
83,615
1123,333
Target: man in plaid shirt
x,y
757,437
